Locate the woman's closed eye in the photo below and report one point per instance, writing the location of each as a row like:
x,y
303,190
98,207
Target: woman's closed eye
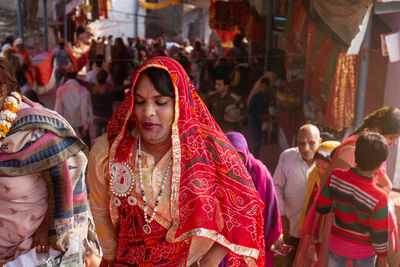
x,y
161,103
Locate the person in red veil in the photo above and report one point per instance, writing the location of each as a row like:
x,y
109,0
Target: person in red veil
x,y
166,186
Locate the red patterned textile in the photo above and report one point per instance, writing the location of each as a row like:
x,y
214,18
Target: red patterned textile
x,y
224,15
135,246
256,29
297,37
320,65
212,195
340,109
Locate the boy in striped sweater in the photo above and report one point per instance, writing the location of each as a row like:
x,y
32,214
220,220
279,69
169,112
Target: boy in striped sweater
x,y
360,227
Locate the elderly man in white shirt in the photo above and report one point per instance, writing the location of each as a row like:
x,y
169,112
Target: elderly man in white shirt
x,y
290,180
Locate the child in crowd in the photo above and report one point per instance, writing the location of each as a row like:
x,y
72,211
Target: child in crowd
x,y
360,228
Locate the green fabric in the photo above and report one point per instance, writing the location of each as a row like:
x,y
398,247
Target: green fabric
x,y
349,209
381,213
289,15
330,73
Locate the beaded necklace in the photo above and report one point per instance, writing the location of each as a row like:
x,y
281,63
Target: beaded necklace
x,y
146,227
8,113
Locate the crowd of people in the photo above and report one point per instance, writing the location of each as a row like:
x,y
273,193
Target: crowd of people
x,y
169,179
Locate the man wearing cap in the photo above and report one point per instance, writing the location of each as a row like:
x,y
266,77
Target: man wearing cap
x,y
25,72
63,58
222,105
19,49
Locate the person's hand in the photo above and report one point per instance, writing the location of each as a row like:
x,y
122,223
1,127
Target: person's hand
x,y
285,226
92,260
381,262
278,243
41,237
213,257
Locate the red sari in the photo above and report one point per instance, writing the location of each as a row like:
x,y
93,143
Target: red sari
x,y
212,195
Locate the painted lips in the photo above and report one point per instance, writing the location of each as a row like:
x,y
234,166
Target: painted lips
x,y
149,125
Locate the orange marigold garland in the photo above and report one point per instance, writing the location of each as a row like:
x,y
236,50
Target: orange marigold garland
x,y
8,113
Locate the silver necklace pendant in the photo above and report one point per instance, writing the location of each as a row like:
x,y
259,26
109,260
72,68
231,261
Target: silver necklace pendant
x,y
122,179
146,229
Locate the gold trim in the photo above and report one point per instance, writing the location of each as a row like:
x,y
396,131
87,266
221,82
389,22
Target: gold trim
x,y
176,172
215,236
250,261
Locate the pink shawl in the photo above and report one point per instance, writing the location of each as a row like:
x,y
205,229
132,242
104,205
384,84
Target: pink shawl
x,y
262,180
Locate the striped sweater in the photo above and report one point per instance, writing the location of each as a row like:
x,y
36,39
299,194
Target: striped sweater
x,y
361,209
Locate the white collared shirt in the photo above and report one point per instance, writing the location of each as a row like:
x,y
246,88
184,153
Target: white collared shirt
x,y
290,180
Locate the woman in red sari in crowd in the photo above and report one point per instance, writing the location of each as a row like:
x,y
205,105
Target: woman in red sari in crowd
x,y
385,121
167,188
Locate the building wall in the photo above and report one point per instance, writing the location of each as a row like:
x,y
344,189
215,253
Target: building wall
x,y
121,20
12,4
392,98
164,21
192,21
195,24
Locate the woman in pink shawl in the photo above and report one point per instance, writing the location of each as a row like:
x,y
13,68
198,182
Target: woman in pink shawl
x,y
262,180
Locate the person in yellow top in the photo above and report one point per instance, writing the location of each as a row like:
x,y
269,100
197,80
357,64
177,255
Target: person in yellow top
x,y
310,222
322,159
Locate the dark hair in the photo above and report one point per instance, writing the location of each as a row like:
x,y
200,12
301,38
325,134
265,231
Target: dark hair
x,y
197,45
119,42
98,60
321,157
326,136
32,95
238,40
9,39
80,30
333,153
226,80
61,42
371,150
102,76
385,119
266,81
71,75
7,76
161,81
